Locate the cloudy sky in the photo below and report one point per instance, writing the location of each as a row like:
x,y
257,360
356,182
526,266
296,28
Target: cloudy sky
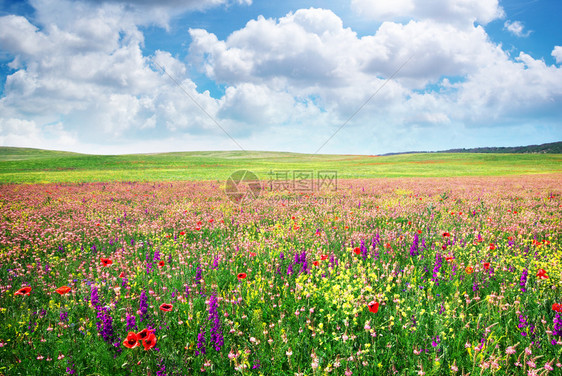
x,y
346,76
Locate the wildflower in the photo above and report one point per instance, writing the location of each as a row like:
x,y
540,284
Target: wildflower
x,y
122,275
373,307
469,270
63,290
149,342
106,261
357,250
23,291
161,263
541,274
523,280
486,265
166,307
241,276
323,257
131,341
446,234
143,306
144,334
557,307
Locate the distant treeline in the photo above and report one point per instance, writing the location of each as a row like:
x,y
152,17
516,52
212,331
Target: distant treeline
x,y
550,148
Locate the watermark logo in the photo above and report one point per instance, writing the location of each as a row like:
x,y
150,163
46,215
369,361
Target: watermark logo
x,y
304,181
242,187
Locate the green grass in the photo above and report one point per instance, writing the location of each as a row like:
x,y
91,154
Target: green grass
x,y
21,165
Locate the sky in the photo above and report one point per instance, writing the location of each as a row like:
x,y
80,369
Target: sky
x,y
345,77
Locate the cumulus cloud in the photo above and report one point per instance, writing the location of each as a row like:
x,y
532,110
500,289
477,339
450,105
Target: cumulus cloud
x,y
459,12
516,28
557,54
81,77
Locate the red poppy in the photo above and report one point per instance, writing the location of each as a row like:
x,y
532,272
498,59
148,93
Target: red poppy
x,y
150,342
161,263
131,341
557,307
182,232
253,254
357,250
373,307
166,307
444,247
106,261
144,334
23,291
492,246
449,258
419,231
486,265
446,234
315,263
241,275
63,290
541,273
122,275
323,257
469,270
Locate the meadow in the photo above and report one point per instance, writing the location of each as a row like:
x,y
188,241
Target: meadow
x,y
20,165
389,276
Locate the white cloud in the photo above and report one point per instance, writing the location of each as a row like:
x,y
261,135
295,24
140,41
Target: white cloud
x,y
516,28
81,78
557,54
459,12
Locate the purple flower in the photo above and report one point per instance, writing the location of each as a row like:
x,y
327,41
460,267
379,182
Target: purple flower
x,y
131,322
414,249
523,280
94,297
143,306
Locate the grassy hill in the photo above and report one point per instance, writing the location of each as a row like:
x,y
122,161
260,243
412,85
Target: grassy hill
x,y
22,165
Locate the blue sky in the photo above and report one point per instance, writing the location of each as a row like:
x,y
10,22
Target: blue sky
x,y
370,76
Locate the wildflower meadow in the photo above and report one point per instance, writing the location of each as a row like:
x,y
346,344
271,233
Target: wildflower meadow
x,y
402,276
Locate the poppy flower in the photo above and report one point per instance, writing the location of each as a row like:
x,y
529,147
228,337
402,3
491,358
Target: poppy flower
x,y
486,265
373,307
166,307
63,290
131,341
449,258
419,231
182,232
241,275
144,334
253,254
161,263
323,257
446,234
469,270
492,246
106,261
150,342
557,307
357,250
541,273
23,291
315,263
122,275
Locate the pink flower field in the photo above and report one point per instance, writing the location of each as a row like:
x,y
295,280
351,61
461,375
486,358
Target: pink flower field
x,y
424,276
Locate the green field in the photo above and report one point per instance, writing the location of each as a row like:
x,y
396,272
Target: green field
x,y
21,165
